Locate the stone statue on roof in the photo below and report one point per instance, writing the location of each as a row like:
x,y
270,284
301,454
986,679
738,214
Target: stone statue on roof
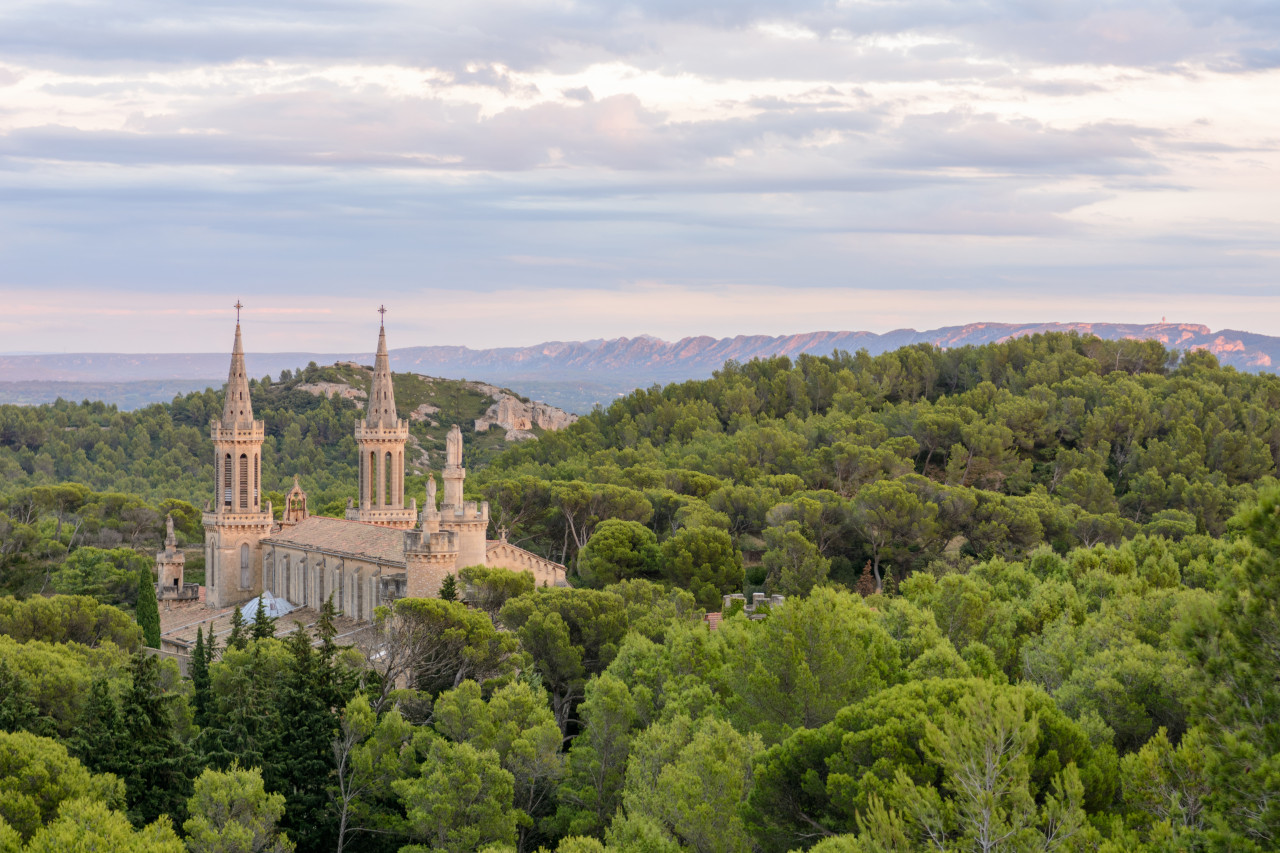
x,y
453,448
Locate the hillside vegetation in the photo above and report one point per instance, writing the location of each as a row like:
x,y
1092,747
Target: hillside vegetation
x,y
1072,649
163,451
912,458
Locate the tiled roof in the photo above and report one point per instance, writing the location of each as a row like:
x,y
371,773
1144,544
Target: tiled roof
x,y
351,538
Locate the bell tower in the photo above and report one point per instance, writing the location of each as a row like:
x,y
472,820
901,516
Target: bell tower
x,y
235,521
381,439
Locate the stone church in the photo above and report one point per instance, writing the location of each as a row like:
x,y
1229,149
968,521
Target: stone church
x,y
382,550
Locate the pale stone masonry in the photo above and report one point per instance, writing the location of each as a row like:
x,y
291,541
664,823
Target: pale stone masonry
x,y
381,551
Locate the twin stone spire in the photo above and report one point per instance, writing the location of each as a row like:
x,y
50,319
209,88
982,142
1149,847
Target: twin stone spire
x,y
380,439
237,409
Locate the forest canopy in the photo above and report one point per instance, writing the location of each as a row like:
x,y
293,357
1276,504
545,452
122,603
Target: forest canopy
x,y
1029,603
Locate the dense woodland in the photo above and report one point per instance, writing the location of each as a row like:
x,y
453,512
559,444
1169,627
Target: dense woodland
x,y
1030,605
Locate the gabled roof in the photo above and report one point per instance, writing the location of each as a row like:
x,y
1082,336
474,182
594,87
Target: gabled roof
x,y
355,539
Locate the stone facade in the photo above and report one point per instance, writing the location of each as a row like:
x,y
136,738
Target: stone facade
x,y
382,550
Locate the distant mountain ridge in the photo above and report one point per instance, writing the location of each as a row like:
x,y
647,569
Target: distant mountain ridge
x,y
594,371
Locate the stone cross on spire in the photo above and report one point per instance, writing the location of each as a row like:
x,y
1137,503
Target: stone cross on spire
x,y
237,409
381,411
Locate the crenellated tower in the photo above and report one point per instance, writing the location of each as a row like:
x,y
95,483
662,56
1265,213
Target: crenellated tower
x,y
235,521
381,439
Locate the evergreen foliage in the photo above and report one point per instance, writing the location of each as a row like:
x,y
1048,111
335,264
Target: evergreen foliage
x,y
264,626
148,610
1062,638
238,638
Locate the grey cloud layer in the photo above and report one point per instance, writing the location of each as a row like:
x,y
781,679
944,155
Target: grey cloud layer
x,y
878,168
1233,33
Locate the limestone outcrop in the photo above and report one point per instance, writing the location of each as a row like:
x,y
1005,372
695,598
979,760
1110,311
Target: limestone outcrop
x,y
519,418
333,389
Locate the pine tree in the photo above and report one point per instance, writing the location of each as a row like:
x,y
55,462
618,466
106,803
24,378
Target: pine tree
x,y
264,627
148,610
237,639
200,678
449,588
17,711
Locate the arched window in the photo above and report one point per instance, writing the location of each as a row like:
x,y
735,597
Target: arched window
x,y
373,478
244,566
390,469
257,467
244,481
226,481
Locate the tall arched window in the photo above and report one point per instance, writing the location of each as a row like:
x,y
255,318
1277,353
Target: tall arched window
x,y
373,478
390,471
244,566
244,481
257,467
226,481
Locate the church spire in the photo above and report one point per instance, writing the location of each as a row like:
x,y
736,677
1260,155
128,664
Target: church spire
x,y
237,410
381,411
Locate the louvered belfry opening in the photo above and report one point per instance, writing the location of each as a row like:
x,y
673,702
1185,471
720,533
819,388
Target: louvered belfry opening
x,y
226,481
244,481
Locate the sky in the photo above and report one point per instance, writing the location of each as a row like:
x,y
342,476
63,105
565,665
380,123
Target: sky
x,y
506,173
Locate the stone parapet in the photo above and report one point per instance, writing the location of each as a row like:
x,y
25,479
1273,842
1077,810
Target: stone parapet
x,y
400,432
233,433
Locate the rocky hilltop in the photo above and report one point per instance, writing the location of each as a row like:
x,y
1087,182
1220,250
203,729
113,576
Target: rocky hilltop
x,y
575,375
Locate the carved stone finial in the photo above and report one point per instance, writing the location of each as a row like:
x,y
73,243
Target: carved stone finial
x,y
502,533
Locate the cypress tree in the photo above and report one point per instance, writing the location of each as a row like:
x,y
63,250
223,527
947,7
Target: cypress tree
x,y
264,626
148,610
101,741
298,764
158,768
200,678
237,639
449,588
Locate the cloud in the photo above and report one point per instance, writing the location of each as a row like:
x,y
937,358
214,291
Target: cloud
x,y
503,149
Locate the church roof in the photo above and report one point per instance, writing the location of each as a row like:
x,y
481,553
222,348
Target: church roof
x,y
355,539
273,606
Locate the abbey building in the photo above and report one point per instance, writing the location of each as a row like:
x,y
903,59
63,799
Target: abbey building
x,y
382,550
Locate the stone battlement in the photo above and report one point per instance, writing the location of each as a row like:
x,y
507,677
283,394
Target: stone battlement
x,y
428,542
218,432
469,511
